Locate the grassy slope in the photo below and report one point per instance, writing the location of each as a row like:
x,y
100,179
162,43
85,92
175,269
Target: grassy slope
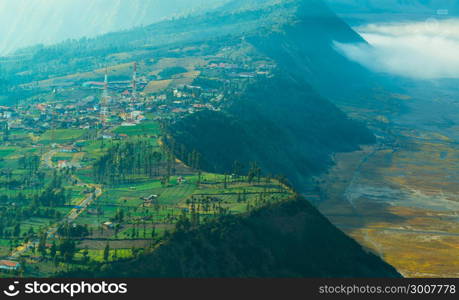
x,y
289,239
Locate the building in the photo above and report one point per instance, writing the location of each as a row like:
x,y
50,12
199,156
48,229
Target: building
x,y
62,164
149,200
108,225
181,180
108,136
93,84
68,149
9,265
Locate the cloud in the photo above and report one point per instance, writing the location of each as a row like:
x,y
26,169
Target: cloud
x,y
422,50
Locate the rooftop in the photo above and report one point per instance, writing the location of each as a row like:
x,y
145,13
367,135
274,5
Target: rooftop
x,y
9,263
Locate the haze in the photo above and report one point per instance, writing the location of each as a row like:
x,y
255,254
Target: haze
x,y
28,22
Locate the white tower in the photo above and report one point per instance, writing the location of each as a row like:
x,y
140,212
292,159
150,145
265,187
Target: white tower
x,y
104,100
134,84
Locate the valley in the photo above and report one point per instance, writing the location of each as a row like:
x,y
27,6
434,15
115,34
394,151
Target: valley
x,y
400,199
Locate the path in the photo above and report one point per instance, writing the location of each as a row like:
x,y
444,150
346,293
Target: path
x,y
47,159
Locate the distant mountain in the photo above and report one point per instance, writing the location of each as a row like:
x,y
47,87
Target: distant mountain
x,y
28,22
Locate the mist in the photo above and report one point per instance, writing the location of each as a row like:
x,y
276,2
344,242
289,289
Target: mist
x,y
28,22
421,50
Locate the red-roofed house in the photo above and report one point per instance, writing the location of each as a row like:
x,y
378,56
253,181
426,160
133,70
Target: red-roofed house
x,y
62,164
9,265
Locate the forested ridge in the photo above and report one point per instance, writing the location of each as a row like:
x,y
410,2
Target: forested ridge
x,y
280,123
285,123
288,239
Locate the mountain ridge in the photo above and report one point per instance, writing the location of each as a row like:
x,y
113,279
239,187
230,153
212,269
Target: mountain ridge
x,y
284,123
286,240
62,20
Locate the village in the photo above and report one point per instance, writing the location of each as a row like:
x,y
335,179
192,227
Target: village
x,y
107,104
68,127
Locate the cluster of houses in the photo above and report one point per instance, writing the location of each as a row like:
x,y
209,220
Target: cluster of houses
x,y
115,103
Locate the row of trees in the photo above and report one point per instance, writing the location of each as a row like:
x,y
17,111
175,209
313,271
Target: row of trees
x,y
73,230
54,194
16,208
190,158
124,160
29,162
64,250
29,180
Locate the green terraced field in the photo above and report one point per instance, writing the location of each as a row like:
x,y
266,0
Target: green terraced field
x,y
146,128
61,135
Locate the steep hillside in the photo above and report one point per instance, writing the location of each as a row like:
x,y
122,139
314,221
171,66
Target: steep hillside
x,y
304,47
280,123
290,239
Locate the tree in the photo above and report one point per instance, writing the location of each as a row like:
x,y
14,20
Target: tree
x,y
123,160
42,244
153,231
6,132
238,167
85,255
254,172
67,249
107,252
17,230
53,250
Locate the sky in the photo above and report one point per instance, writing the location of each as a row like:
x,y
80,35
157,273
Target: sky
x,y
393,6
420,50
29,22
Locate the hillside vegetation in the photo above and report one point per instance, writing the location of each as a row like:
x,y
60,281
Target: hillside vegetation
x,y
290,239
279,123
283,122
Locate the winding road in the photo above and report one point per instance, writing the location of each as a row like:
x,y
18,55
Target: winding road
x,y
47,160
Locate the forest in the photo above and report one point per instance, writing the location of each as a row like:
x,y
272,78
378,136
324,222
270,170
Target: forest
x,y
295,137
138,157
